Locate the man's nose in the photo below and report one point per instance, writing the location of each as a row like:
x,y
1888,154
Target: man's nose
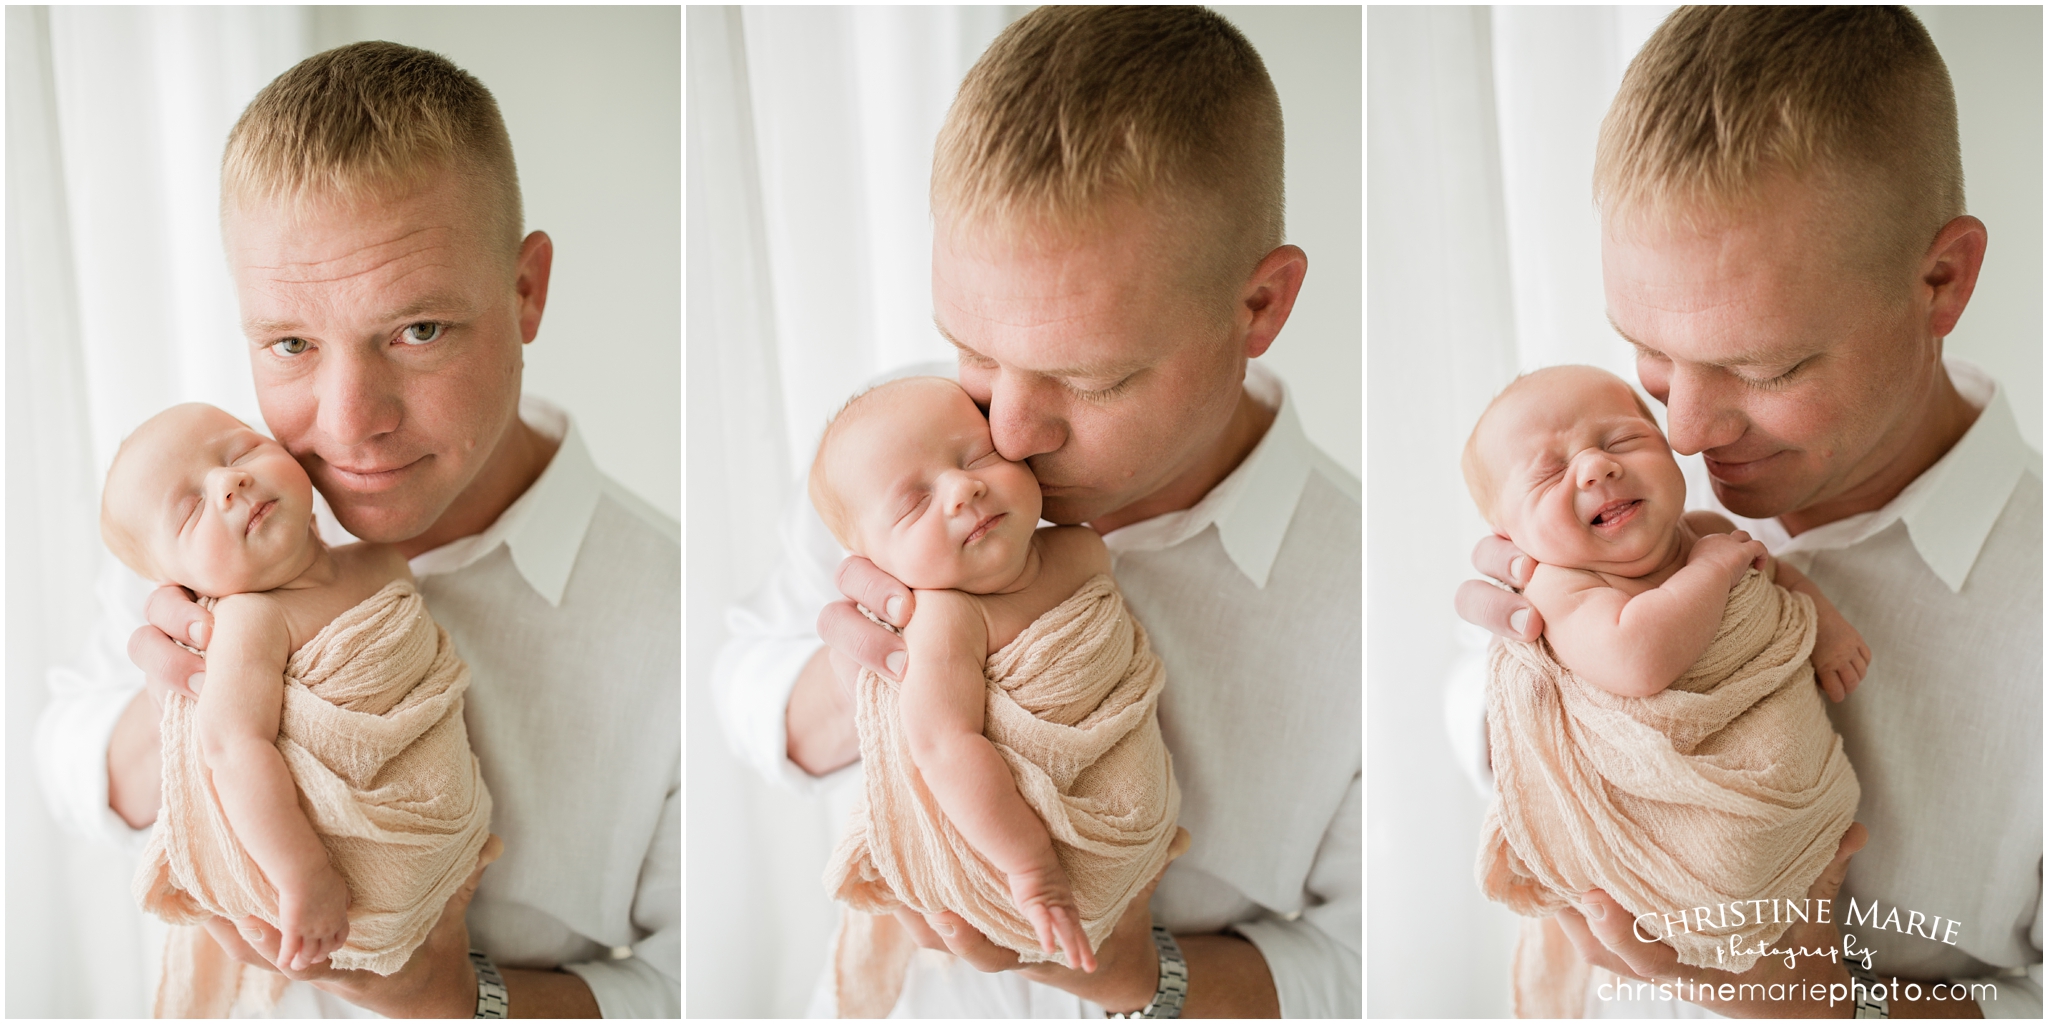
x,y
357,395
1022,419
1699,412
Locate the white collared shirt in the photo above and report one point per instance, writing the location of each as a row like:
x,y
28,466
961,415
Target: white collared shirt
x,y
567,609
1944,584
1252,600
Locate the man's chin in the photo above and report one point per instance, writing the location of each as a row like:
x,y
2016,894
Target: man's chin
x,y
1754,501
381,525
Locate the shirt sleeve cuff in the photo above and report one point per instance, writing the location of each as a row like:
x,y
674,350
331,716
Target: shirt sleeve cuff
x,y
1313,974
630,988
757,723
72,738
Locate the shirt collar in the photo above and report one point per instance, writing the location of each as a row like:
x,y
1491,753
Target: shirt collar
x,y
1950,508
1253,505
544,527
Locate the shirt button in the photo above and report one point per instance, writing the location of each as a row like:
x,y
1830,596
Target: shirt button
x,y
621,952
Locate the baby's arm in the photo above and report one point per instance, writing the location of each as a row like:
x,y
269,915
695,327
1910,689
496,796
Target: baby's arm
x,y
943,698
1840,657
239,709
1637,646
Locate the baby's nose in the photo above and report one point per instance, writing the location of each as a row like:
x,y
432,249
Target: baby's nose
x,y
1596,467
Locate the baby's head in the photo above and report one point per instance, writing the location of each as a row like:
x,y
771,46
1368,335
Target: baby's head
x,y
1569,464
195,497
908,476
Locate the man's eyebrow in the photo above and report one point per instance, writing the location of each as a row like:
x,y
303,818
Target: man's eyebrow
x,y
449,304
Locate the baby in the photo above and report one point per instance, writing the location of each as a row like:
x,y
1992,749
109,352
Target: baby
x,y
1664,741
909,477
195,497
1569,464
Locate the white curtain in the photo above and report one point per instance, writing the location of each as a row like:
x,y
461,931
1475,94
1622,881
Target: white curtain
x,y
118,305
1483,261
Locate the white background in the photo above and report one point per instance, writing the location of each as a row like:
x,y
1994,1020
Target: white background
x,y
1483,260
810,140
119,305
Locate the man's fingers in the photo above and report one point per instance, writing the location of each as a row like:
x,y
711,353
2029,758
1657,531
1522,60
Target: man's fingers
x,y
164,665
170,608
920,932
846,630
1589,947
861,582
232,943
1615,930
963,941
1830,881
1498,611
1498,557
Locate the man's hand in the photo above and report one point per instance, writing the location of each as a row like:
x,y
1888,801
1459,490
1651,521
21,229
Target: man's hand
x,y
1495,610
165,666
134,757
1605,937
1126,965
819,719
437,982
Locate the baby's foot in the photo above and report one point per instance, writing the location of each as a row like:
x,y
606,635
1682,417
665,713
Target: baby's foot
x,y
1047,901
312,919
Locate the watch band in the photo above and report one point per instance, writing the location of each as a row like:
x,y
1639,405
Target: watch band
x,y
1173,981
491,999
1873,997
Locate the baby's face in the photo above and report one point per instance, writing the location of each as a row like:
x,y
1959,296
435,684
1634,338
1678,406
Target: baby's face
x,y
1582,479
927,498
212,504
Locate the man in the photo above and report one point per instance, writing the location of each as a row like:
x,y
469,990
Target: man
x,y
371,212
1784,244
1107,256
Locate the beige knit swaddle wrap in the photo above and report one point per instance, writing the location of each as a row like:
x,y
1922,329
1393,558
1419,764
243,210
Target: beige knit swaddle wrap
x,y
1731,785
1071,708
372,732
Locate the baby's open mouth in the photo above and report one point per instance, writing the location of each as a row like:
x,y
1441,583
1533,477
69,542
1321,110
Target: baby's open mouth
x,y
1615,512
981,529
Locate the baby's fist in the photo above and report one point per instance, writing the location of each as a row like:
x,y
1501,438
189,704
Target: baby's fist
x,y
1735,553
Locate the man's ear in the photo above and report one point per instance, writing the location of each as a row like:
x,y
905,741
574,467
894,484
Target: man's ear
x,y
1268,297
1949,272
536,260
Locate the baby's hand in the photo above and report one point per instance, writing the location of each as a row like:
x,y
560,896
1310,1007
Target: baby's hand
x,y
312,919
1734,553
1840,657
1047,901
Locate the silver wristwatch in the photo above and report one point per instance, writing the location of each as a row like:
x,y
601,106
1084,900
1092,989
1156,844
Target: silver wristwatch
x,y
1872,996
491,998
1173,981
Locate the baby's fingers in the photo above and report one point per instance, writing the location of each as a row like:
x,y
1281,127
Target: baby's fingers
x,y
1831,681
1074,939
1041,922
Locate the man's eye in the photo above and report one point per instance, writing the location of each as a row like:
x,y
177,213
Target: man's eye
x,y
1103,394
290,346
421,333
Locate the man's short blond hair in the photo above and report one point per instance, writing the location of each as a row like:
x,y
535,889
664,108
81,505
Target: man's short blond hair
x,y
369,119
1073,108
1856,99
